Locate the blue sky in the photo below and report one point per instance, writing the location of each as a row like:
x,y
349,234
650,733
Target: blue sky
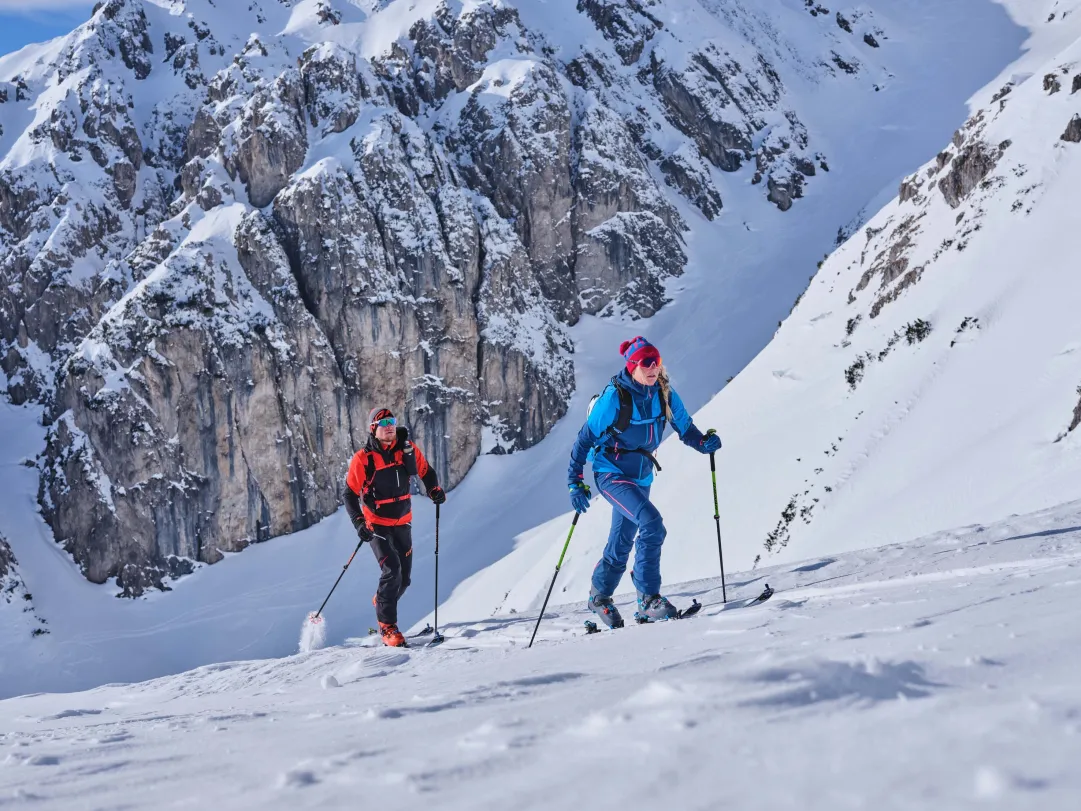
x,y
26,21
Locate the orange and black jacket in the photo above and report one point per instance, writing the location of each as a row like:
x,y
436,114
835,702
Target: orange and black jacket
x,y
377,487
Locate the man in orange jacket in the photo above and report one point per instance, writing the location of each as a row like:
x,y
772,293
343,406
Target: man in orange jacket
x,y
377,500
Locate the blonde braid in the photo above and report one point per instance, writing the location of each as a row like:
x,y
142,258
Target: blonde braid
x,y
665,389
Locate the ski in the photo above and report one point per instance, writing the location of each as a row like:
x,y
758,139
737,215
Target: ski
x,y
690,611
767,592
761,598
428,630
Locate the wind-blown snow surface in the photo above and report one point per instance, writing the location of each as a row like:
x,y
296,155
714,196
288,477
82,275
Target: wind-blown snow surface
x,y
857,426
940,673
744,271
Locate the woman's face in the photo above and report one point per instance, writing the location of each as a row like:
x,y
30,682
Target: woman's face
x,y
647,375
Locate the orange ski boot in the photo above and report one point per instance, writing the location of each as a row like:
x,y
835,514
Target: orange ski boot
x,y
392,637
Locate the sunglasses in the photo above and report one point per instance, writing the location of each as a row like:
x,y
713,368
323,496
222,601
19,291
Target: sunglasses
x,y
386,422
649,363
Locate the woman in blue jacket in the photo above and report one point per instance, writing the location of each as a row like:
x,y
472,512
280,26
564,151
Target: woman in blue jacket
x,y
623,429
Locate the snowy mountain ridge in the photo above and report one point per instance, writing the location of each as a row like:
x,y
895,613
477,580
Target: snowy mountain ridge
x,y
229,232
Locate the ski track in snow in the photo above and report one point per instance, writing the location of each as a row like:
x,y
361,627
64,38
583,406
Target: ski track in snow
x,y
940,673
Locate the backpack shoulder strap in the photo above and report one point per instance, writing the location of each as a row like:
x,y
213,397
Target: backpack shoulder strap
x,y
369,470
626,407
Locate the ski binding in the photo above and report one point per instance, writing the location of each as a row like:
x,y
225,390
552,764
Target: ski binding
x,y
682,614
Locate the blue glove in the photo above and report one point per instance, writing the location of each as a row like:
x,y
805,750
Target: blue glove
x,y
711,443
580,497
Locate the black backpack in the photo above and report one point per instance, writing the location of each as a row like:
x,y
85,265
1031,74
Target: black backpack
x,y
623,417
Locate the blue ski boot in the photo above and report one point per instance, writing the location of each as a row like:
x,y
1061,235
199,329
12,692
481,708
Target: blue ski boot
x,y
654,608
604,608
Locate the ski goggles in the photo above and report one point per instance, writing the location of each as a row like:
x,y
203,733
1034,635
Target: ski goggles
x,y
386,422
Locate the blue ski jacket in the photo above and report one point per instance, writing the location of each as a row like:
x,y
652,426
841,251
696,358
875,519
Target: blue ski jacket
x,y
616,454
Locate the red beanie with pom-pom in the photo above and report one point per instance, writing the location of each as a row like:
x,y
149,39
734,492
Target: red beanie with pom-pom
x,y
638,350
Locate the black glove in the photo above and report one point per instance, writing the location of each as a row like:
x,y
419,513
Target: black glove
x,y
364,532
437,495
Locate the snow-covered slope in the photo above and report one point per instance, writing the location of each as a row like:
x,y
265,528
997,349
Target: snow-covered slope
x,y
929,376
940,673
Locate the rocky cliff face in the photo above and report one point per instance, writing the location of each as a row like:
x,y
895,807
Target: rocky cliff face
x,y
16,603
222,248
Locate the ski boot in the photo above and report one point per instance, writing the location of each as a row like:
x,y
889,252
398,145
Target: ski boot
x,y
654,608
604,608
392,637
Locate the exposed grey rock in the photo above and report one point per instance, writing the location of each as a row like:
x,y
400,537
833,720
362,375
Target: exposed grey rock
x,y
611,181
123,22
15,599
968,168
271,140
910,188
7,559
194,460
1073,130
641,251
204,136
515,150
694,107
523,391
628,25
331,87
782,192
390,281
849,67
692,182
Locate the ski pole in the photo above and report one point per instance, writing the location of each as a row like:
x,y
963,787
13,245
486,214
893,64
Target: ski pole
x,y
574,523
339,580
436,636
717,514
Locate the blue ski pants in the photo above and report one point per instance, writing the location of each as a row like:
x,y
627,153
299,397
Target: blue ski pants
x,y
632,514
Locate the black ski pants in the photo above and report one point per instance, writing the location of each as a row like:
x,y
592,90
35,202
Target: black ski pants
x,y
393,549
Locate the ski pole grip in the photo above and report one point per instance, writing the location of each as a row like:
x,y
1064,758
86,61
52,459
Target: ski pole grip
x,y
712,456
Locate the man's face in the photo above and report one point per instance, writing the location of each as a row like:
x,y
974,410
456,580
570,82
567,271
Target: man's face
x,y
385,433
